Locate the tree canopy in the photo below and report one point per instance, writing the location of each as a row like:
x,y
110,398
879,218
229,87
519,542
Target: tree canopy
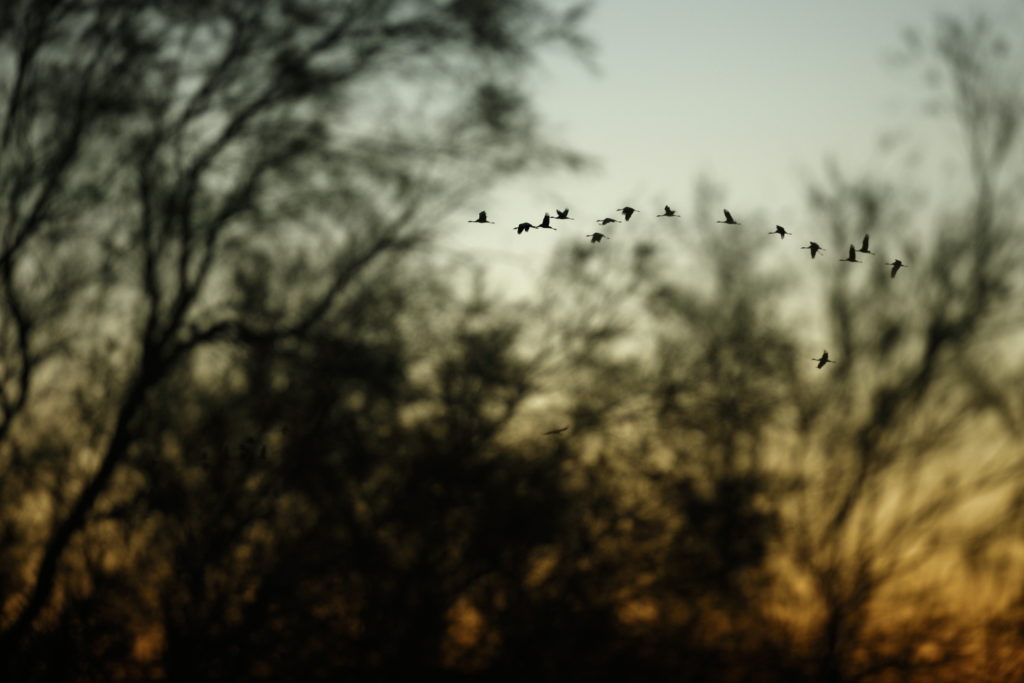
x,y
251,430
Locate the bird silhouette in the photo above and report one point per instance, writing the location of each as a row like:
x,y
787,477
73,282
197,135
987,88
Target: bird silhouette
x,y
780,231
627,211
597,237
556,431
824,359
853,256
669,213
864,246
482,218
523,227
606,221
546,223
729,220
814,247
563,215
896,265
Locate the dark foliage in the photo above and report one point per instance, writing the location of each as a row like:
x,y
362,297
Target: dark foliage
x,y
250,430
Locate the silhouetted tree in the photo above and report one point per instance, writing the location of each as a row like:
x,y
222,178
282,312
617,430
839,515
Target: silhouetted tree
x,y
181,175
910,424
247,433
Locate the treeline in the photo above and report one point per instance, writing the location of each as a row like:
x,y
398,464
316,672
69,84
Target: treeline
x,y
253,427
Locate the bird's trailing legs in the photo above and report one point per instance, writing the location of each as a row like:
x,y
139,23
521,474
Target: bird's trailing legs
x,y
823,360
729,220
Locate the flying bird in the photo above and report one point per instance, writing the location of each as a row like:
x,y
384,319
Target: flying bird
x,y
523,227
729,220
563,215
824,359
597,237
482,218
556,431
546,223
853,256
864,246
780,231
606,221
896,265
669,213
814,247
627,211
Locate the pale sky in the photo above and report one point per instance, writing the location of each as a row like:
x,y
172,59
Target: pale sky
x,y
754,94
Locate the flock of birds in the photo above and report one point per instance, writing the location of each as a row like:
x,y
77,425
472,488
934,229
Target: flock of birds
x,y
627,213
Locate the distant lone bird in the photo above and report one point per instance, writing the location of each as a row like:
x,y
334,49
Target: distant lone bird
x,y
556,431
546,223
853,256
824,359
780,231
482,218
563,215
896,265
523,227
864,246
729,220
606,221
627,211
597,237
814,247
669,213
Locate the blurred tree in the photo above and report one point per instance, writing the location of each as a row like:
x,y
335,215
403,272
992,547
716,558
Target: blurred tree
x,y
179,174
245,434
909,427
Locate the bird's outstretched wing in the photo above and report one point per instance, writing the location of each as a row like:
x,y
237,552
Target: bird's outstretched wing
x,y
853,253
728,216
864,244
